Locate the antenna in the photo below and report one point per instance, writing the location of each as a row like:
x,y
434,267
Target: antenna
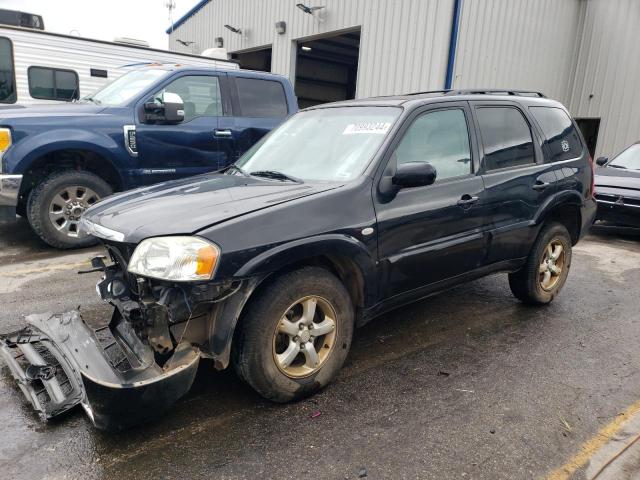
x,y
171,6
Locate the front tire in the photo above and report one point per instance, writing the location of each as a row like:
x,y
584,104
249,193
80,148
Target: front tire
x,y
56,204
546,269
295,335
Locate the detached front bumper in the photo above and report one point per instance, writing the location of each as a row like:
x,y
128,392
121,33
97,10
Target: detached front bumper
x,y
9,189
60,362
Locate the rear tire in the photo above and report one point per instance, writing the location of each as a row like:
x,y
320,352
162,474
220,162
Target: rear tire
x,y
62,197
275,323
546,269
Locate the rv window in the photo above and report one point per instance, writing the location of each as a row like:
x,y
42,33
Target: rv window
x,y
7,73
53,84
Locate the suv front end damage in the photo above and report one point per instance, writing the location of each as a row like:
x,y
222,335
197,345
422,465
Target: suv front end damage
x,y
138,365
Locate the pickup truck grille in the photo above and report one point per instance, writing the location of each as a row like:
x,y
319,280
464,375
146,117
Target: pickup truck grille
x,y
618,200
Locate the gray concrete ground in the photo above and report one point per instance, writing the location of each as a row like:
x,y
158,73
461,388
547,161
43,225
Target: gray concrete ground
x,y
466,384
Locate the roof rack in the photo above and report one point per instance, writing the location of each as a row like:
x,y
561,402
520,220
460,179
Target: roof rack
x,y
484,91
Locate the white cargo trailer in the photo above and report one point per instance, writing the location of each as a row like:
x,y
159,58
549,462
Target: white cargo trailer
x,y
43,67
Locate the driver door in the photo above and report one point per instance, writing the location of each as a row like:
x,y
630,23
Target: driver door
x,y
191,146
432,233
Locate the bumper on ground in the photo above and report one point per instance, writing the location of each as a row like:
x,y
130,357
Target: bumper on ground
x,y
9,189
60,362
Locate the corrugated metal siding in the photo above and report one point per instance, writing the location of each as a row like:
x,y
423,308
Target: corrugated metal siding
x,y
80,55
609,69
403,45
527,44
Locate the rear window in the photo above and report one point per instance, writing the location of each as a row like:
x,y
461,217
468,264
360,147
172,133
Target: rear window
x,y
7,73
506,137
53,83
261,98
561,136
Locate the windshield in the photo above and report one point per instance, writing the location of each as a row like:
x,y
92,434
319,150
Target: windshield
x,y
629,159
332,144
126,87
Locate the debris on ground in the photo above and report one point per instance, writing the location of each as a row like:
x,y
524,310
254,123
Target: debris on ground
x,y
316,414
362,473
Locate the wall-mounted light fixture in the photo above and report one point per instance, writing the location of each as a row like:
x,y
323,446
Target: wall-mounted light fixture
x,y
218,42
233,29
306,49
281,27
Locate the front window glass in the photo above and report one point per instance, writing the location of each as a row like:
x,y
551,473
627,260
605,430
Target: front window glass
x,y
332,144
629,159
126,87
200,95
440,138
7,74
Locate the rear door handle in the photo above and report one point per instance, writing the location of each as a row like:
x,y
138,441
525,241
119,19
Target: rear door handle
x,y
467,200
222,133
540,185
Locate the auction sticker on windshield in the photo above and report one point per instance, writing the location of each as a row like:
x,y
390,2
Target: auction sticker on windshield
x,y
367,127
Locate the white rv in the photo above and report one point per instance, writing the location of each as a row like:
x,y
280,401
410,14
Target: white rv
x,y
43,67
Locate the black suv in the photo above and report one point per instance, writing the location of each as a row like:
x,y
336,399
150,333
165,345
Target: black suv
x,y
344,212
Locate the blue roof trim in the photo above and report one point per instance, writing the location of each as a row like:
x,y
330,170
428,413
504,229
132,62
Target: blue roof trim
x,y
187,15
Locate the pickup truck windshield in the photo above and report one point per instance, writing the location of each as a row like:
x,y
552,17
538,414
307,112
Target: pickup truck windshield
x,y
328,144
629,159
126,87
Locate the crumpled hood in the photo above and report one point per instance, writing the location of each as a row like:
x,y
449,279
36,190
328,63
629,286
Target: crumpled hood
x,y
617,178
192,204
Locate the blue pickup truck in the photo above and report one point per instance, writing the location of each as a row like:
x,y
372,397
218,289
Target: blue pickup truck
x,y
153,124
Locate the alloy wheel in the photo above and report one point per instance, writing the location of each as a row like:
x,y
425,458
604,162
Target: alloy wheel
x,y
68,205
553,262
304,337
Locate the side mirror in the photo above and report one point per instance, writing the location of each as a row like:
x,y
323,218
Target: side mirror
x,y
169,108
414,174
406,175
602,161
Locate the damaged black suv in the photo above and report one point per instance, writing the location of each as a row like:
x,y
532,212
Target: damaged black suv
x,y
344,212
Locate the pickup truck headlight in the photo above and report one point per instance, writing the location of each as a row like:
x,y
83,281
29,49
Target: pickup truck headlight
x,y
181,259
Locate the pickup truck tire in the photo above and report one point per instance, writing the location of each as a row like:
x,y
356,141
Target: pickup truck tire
x,y
307,300
547,267
62,197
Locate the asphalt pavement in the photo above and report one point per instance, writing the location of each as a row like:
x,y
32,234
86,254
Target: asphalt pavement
x,y
465,384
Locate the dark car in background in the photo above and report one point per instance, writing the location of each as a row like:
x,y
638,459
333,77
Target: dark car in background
x,y
618,188
344,212
152,124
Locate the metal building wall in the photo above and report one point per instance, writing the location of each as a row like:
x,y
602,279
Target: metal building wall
x,y
527,44
607,77
404,44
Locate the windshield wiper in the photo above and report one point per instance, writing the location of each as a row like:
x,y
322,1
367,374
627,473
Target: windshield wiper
x,y
275,175
236,168
617,166
92,100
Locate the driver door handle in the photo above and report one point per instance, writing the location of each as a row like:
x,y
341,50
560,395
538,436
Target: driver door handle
x,y
467,200
222,133
539,185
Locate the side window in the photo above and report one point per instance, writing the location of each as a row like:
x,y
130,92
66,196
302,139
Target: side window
x,y
261,98
53,84
506,137
440,138
561,136
200,95
7,72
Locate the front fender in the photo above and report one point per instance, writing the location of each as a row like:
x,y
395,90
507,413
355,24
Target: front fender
x,y
22,155
224,316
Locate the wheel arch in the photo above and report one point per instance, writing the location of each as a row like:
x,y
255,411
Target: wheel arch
x,y
344,256
566,209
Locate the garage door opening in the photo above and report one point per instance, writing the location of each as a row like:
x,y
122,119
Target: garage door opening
x,y
327,69
589,128
254,59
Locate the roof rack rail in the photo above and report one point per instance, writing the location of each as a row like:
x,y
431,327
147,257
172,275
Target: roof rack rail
x,y
485,91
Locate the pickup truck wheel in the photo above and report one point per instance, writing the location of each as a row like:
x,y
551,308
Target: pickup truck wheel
x,y
56,204
295,335
547,267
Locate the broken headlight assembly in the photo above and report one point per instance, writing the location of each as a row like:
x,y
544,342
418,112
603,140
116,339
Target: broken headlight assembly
x,y
179,259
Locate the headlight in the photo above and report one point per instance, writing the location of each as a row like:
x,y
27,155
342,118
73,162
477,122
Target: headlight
x,y
181,259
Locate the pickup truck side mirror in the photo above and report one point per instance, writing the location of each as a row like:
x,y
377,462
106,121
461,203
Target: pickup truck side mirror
x,y
169,109
407,175
602,161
